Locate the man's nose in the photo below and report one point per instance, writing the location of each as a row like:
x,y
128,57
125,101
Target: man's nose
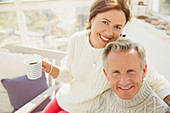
x,y
124,80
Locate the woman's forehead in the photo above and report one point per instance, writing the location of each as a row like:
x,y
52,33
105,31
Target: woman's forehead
x,y
113,15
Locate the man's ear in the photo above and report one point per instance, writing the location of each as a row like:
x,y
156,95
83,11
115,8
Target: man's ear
x,y
144,71
105,74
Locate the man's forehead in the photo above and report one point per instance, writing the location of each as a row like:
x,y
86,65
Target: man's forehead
x,y
130,57
129,52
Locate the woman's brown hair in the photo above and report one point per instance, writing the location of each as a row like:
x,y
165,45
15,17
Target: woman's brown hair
x,y
100,6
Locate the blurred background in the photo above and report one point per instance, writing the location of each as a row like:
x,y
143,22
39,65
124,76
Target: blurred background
x,y
48,24
41,23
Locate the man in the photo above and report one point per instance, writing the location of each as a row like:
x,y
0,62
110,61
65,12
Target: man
x,y
125,68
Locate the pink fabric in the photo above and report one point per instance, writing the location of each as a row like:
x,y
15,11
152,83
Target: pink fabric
x,y
53,107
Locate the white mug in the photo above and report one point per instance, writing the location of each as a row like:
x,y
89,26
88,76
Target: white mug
x,y
33,67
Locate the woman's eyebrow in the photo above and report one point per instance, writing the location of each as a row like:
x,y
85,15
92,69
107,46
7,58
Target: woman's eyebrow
x,y
106,19
110,22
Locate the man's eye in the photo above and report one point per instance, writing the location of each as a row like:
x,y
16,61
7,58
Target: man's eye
x,y
129,71
116,72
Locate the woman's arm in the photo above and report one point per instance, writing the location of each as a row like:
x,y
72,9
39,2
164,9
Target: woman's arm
x,y
62,73
159,84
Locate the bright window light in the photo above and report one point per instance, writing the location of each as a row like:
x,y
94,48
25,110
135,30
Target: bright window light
x,y
155,6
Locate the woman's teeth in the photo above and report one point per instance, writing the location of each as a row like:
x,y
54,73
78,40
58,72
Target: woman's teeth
x,y
105,39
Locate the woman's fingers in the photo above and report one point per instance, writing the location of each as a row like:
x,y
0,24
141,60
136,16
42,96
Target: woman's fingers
x,y
45,65
43,69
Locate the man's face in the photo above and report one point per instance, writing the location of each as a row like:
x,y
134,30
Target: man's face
x,y
124,73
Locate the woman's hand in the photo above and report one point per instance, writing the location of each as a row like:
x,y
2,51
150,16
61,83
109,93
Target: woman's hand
x,y
46,66
167,99
49,68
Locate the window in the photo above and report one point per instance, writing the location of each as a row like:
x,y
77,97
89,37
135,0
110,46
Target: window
x,y
161,6
8,27
164,6
6,1
44,24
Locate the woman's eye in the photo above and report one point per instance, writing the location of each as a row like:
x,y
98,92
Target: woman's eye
x,y
105,22
118,27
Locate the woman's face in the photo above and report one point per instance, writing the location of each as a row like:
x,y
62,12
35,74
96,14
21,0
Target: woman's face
x,y
106,27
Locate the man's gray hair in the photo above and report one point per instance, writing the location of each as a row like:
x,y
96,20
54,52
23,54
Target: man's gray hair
x,y
124,44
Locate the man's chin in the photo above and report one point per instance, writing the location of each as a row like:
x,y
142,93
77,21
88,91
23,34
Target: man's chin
x,y
126,97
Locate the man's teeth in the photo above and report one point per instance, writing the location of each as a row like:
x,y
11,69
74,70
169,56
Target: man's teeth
x,y
104,38
125,88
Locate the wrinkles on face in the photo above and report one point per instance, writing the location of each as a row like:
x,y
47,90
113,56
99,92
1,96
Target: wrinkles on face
x,y
124,73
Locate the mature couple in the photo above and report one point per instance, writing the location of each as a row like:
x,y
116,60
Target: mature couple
x,y
87,89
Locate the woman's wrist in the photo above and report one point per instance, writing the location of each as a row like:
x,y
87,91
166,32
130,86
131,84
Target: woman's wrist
x,y
51,69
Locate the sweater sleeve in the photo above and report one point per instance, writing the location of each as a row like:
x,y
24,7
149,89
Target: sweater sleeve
x,y
65,70
158,83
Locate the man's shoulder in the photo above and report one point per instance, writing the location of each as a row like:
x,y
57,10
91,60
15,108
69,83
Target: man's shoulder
x,y
103,101
107,96
108,92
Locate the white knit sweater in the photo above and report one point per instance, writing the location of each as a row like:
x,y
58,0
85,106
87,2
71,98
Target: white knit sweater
x,y
86,81
146,101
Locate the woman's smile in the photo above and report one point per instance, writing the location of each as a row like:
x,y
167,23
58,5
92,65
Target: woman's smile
x,y
105,39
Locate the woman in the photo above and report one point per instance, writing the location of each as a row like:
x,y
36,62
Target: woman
x,y
83,70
